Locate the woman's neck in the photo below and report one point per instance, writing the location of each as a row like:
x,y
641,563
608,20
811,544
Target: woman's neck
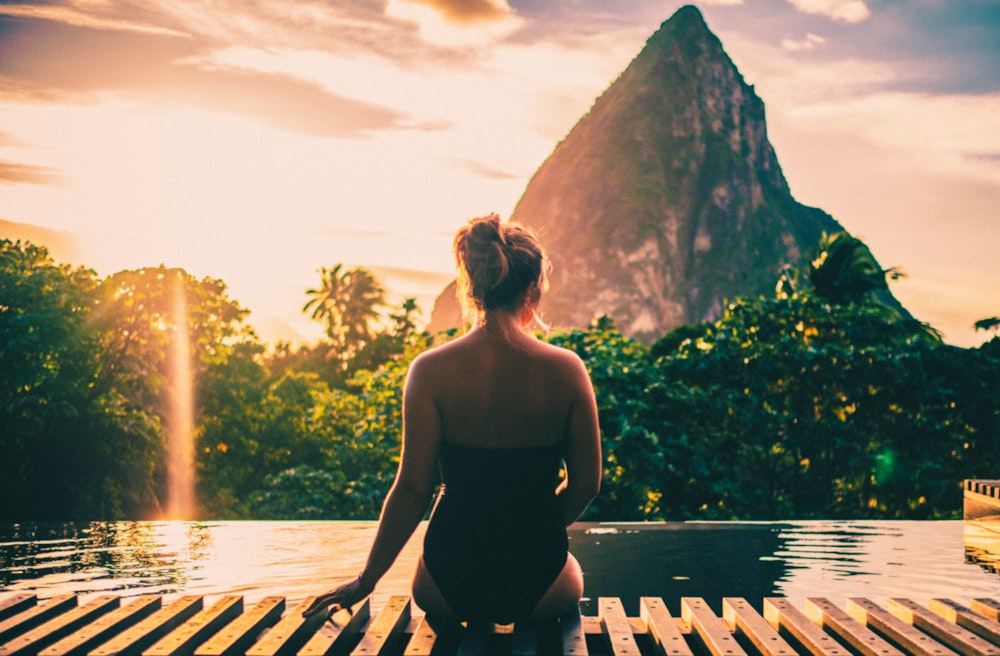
x,y
510,326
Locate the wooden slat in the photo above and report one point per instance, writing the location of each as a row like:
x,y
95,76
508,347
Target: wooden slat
x,y
868,643
617,627
289,634
335,634
32,617
909,638
783,615
59,627
16,603
967,618
987,608
742,617
964,642
422,640
662,628
183,640
385,628
104,628
574,637
133,640
238,635
709,627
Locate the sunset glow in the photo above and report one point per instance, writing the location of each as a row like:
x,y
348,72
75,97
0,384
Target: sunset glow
x,y
257,144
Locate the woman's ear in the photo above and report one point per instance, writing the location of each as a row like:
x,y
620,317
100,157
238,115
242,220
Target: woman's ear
x,y
534,295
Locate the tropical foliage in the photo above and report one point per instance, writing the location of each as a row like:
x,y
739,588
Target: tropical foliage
x,y
825,399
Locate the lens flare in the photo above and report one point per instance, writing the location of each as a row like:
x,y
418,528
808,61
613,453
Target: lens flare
x,y
180,415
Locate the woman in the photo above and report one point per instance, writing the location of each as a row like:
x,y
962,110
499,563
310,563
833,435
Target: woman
x,y
497,412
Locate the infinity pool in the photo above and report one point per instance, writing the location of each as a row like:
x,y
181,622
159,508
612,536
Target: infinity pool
x,y
880,559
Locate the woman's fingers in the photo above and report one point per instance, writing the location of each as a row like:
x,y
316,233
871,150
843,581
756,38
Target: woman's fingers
x,y
320,603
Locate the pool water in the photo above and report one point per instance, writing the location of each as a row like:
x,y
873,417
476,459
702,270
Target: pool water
x,y
882,559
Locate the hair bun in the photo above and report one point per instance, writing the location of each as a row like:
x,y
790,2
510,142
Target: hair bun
x,y
497,263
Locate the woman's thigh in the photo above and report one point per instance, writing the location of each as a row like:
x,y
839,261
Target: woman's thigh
x,y
564,595
428,596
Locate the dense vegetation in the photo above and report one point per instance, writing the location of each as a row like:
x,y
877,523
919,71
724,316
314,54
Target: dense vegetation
x,y
823,400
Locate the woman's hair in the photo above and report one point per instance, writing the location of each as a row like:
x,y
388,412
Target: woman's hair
x,y
497,264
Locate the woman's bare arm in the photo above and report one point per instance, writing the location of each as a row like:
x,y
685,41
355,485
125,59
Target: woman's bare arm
x,y
583,450
409,496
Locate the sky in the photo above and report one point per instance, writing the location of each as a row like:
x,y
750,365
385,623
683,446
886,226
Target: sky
x,y
256,142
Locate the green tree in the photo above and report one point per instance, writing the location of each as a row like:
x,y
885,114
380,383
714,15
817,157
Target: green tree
x,y
348,303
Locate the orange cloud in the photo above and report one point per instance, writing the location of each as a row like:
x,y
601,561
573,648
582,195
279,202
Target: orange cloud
x,y
468,11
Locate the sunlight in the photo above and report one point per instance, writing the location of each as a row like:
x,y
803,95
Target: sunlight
x,y
180,421
435,27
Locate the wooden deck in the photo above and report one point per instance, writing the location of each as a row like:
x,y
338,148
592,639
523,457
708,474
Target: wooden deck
x,y
981,501
149,626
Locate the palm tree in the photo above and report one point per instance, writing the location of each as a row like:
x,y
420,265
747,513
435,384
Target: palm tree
x,y
991,323
348,303
846,271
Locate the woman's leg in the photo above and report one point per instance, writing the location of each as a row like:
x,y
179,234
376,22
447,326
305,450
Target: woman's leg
x,y
563,596
428,596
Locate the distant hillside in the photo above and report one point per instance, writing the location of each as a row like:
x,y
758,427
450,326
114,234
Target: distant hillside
x,y
666,199
62,246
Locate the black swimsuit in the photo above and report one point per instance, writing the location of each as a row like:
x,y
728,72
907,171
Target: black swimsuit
x,y
496,540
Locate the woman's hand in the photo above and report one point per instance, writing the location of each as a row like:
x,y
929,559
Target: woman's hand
x,y
343,597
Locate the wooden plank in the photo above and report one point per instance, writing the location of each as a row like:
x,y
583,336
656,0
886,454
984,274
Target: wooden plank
x,y
617,627
16,603
385,628
868,643
910,639
709,627
238,635
742,617
183,640
525,639
133,640
662,629
334,635
59,627
32,617
107,626
964,642
289,634
574,637
783,615
967,618
987,608
422,640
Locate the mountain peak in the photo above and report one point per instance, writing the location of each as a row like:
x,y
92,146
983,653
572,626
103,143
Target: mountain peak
x,y
666,199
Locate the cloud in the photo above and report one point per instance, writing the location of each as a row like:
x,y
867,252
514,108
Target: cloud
x,y
457,23
468,11
40,60
808,43
846,11
14,173
70,16
485,170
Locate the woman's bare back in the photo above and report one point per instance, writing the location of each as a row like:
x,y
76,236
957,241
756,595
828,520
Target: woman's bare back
x,y
496,391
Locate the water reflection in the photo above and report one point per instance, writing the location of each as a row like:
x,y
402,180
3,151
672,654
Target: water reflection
x,y
797,560
982,544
